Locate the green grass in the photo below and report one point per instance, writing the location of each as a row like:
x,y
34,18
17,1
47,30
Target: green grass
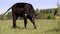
x,y
43,27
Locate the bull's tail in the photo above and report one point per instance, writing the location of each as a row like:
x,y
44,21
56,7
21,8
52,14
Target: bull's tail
x,y
7,10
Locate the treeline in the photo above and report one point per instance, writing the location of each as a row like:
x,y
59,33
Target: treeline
x,y
46,13
40,14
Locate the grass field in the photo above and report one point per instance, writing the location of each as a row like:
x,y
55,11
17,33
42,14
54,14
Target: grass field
x,y
43,27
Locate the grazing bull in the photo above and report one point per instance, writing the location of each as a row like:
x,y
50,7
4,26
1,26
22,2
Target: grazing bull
x,y
24,10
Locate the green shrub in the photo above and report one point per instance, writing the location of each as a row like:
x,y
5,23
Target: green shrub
x,y
50,16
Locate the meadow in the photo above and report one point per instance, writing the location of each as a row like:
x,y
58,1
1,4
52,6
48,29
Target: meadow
x,y
43,27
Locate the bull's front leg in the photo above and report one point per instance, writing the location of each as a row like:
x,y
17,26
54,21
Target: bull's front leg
x,y
33,21
25,21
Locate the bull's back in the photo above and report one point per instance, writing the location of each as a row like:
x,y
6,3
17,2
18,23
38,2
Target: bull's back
x,y
19,5
20,8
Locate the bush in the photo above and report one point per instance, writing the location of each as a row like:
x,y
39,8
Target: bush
x,y
50,16
3,17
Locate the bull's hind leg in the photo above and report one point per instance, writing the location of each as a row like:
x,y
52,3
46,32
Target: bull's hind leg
x,y
33,21
25,21
14,21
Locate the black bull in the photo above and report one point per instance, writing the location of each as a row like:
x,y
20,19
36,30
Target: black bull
x,y
24,10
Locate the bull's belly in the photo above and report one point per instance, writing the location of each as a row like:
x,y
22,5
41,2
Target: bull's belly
x,y
20,15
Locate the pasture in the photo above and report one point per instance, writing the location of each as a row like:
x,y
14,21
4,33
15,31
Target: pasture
x,y
43,27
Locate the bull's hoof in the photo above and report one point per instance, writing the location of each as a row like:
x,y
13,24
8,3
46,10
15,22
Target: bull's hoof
x,y
25,27
35,27
14,27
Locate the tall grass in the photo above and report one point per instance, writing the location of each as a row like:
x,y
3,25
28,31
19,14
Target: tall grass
x,y
43,27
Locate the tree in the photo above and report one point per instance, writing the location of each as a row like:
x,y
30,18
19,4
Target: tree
x,y
37,11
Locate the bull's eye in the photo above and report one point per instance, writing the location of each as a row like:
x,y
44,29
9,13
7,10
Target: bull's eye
x,y
25,14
